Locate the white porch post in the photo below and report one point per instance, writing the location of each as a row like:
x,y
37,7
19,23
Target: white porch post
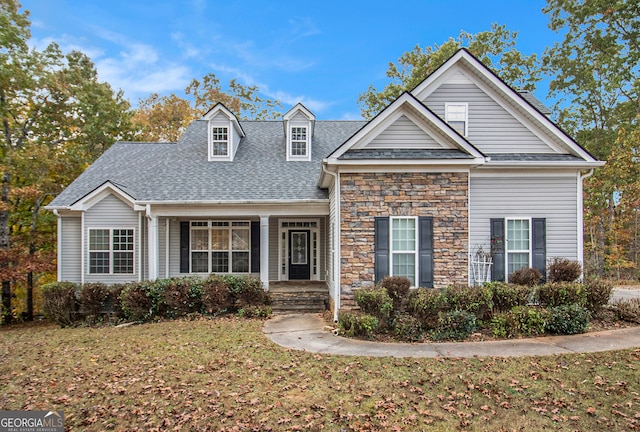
x,y
152,231
264,251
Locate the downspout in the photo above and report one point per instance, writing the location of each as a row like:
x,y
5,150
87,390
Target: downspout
x,y
581,219
59,244
335,251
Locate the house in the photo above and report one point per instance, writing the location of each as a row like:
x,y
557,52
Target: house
x,y
461,162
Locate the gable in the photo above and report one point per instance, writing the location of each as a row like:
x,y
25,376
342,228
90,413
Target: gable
x,y
406,134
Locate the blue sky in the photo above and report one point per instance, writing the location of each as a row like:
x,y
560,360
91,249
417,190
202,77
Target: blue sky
x,y
321,53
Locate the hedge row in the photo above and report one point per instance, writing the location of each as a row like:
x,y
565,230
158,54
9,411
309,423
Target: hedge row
x,y
67,303
453,313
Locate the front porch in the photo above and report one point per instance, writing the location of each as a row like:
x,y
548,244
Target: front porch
x,y
299,296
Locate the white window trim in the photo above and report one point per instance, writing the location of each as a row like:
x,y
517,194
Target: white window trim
x,y
466,114
307,141
210,251
110,251
506,245
283,248
229,155
414,251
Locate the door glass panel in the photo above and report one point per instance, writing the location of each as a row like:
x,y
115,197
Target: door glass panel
x,y
299,248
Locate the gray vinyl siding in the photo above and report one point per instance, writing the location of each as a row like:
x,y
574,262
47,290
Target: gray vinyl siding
x,y
70,244
111,212
274,244
403,133
162,248
322,247
552,198
331,283
174,248
490,127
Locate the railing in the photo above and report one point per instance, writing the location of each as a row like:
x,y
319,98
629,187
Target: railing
x,y
480,268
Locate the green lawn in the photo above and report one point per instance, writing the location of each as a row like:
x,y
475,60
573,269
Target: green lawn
x,y
224,374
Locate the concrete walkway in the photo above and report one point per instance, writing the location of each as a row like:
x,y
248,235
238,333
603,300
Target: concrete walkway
x,y
308,333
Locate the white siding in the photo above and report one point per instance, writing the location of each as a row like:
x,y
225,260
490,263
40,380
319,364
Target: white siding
x,y
550,197
403,133
174,248
491,128
70,244
330,239
111,212
274,244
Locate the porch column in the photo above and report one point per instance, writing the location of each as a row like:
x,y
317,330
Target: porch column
x,y
152,235
264,251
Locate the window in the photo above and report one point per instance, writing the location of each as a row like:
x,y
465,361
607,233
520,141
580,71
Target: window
x,y
403,248
111,251
456,116
299,141
219,141
518,244
220,246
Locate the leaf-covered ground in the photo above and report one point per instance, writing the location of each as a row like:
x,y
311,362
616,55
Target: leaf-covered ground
x,y
224,374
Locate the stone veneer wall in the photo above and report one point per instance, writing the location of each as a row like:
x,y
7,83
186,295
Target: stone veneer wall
x,y
444,196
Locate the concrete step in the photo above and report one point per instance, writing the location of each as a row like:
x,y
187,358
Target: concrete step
x,y
299,302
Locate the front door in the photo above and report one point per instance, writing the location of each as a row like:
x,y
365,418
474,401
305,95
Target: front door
x,y
299,262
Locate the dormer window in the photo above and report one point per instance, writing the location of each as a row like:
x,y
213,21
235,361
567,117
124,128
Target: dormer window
x,y
299,142
220,141
456,114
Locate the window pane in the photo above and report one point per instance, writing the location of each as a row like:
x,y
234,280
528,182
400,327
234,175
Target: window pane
x,y
220,262
99,262
123,262
404,235
240,239
298,148
122,240
405,265
219,134
240,262
99,239
199,240
298,134
518,261
458,126
219,149
219,239
518,235
200,262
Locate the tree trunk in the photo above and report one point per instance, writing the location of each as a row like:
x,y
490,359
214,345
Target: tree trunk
x,y
4,245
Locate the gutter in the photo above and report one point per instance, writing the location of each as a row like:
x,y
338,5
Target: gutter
x,y
335,251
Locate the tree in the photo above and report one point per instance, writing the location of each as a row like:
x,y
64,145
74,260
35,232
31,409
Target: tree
x,y
56,119
596,81
495,48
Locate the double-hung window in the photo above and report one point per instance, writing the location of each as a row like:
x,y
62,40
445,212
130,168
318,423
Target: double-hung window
x,y
111,251
299,141
456,114
404,244
220,246
220,141
518,244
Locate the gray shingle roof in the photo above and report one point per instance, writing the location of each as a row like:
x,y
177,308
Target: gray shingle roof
x,y
537,104
181,172
405,154
534,157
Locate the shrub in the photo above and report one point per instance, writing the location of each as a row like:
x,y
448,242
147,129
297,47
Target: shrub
x,y
425,304
530,320
598,294
454,325
528,276
562,293
477,300
356,324
628,310
567,319
564,270
398,289
182,295
504,325
112,302
506,296
137,301
408,328
262,311
92,299
244,290
59,302
374,301
216,297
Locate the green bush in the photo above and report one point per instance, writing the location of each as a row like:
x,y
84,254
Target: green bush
x,y
139,301
567,319
216,297
528,276
398,289
93,297
530,320
477,300
504,325
562,293
564,270
425,304
408,328
182,296
454,325
374,301
628,310
262,311
59,302
244,291
357,324
598,294
112,302
506,296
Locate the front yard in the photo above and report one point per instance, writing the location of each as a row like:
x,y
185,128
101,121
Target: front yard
x,y
224,374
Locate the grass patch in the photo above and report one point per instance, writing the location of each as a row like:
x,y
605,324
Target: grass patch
x,y
224,374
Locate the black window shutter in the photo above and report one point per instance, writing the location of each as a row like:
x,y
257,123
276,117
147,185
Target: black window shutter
x,y
381,241
255,247
539,249
497,250
425,248
184,247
